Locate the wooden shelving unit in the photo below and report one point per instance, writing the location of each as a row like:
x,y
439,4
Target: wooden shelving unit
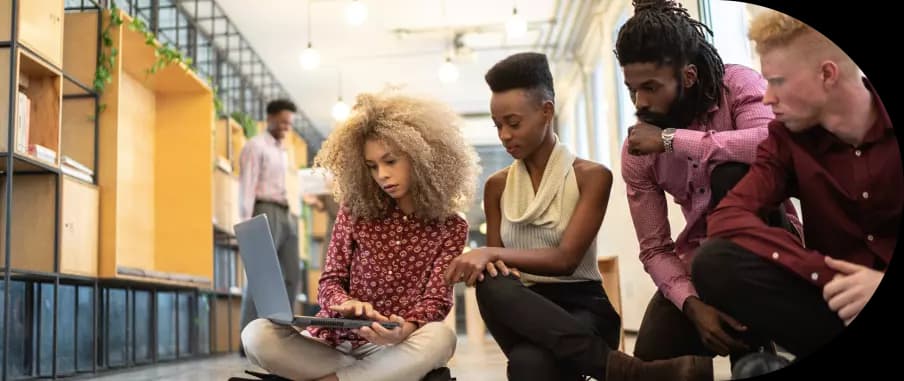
x,y
110,237
32,242
78,234
154,163
42,86
39,26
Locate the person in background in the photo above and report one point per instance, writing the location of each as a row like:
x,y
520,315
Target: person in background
x,y
262,190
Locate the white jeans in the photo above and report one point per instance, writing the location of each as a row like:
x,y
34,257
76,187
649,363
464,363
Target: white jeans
x,y
284,351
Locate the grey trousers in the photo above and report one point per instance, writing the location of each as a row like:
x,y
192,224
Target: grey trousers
x,y
285,237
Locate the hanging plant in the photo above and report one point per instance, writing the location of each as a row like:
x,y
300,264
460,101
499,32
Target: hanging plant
x,y
164,54
106,57
217,102
247,123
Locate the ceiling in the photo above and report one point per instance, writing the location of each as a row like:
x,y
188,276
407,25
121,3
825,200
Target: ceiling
x,y
401,43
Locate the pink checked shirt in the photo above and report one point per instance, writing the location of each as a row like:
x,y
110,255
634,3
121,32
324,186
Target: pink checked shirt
x,y
395,263
737,126
262,175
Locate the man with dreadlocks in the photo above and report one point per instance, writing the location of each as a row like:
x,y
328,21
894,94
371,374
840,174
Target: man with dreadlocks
x,y
700,122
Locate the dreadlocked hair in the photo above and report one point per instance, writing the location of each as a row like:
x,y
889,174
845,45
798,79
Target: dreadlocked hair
x,y
663,32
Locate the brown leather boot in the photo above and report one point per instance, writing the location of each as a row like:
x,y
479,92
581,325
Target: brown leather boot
x,y
621,367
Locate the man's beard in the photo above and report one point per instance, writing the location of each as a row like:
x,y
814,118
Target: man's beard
x,y
680,114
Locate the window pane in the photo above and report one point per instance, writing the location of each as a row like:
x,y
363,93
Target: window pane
x,y
600,117
203,324
580,119
186,301
166,325
85,327
143,326
19,330
221,268
729,27
66,330
626,116
45,320
167,22
117,330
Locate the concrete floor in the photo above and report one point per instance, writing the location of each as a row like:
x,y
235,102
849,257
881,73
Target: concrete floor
x,y
472,362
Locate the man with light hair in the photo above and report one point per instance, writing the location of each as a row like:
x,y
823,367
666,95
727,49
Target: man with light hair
x,y
832,146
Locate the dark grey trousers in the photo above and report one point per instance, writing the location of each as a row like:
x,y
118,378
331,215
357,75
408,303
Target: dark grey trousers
x,y
285,237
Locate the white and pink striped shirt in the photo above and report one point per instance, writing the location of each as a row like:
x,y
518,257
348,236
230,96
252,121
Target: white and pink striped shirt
x,y
262,176
735,128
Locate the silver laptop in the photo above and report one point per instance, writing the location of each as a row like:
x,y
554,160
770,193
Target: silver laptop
x,y
265,281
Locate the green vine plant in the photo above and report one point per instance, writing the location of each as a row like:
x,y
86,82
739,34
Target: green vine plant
x,y
164,53
106,57
247,123
217,102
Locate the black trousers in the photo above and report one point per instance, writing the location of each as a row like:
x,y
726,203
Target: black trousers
x,y
772,301
665,331
557,331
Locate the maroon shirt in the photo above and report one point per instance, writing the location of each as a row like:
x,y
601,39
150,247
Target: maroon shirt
x,y
851,199
395,263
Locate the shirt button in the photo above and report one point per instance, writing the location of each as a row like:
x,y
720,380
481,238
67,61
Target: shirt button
x,y
858,153
870,238
865,195
814,276
775,256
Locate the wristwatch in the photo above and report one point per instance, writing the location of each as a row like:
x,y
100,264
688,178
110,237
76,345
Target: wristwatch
x,y
668,135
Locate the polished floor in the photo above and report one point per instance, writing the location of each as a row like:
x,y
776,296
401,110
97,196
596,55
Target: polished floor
x,y
472,362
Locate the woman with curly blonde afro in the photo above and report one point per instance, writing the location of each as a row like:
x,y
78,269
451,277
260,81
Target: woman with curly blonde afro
x,y
403,174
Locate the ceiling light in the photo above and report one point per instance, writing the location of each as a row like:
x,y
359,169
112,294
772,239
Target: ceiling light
x,y
341,110
448,72
310,58
516,25
355,13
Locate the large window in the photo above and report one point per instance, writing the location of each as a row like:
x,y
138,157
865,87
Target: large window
x,y
566,130
580,126
626,117
729,26
600,107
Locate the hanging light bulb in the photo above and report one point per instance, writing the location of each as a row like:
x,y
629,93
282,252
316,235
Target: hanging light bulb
x,y
516,25
310,58
341,110
448,72
355,12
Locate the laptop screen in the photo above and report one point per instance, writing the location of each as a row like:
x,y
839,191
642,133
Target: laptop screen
x,y
265,278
